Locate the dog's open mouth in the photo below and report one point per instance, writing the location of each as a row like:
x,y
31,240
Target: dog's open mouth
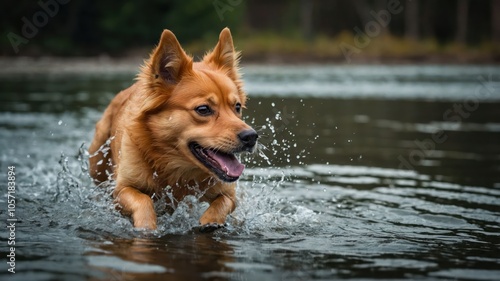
x,y
223,164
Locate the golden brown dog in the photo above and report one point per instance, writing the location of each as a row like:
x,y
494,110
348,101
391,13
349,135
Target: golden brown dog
x,y
179,125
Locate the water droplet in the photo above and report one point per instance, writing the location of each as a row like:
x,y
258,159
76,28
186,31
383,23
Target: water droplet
x,y
349,140
59,123
272,104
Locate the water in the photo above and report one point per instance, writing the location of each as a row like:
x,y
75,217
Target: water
x,y
369,172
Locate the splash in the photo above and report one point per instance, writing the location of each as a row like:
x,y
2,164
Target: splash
x,y
259,207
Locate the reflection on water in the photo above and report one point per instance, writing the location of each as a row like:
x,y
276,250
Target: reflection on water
x,y
126,259
368,172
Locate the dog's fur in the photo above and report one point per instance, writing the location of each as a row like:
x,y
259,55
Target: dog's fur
x,y
179,125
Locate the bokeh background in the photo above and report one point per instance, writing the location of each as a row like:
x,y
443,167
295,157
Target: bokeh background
x,y
279,30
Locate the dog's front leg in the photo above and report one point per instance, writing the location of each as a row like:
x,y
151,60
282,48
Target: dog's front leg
x,y
137,205
215,216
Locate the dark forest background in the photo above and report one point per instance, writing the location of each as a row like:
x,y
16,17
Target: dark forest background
x,y
307,28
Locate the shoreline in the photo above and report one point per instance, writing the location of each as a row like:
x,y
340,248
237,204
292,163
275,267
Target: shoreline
x,y
131,64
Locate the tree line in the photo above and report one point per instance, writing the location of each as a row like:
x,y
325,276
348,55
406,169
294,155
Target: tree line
x,y
92,27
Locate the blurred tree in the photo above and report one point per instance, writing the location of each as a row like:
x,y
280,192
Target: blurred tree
x,y
381,5
412,20
306,16
495,20
428,19
363,10
462,18
195,19
132,23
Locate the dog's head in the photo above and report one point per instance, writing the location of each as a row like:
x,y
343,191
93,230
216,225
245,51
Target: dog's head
x,y
192,111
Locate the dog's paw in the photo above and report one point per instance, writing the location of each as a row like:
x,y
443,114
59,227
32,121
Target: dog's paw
x,y
210,227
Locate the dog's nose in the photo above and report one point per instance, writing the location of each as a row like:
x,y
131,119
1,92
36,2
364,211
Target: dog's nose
x,y
248,138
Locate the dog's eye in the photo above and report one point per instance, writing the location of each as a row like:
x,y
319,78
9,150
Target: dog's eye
x,y
204,110
238,107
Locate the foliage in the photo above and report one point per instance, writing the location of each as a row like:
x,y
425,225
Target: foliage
x,y
263,28
90,27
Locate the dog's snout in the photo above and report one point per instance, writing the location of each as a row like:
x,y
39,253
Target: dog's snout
x,y
248,138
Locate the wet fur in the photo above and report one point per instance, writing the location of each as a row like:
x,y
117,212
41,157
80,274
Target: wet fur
x,y
150,124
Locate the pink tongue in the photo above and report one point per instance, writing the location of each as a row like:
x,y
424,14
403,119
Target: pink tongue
x,y
228,163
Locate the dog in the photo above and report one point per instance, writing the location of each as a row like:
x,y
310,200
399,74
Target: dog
x,y
178,126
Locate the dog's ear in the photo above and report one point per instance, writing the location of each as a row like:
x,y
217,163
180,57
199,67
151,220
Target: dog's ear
x,y
169,61
223,56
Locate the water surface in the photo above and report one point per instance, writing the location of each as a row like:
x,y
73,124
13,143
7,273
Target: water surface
x,y
369,172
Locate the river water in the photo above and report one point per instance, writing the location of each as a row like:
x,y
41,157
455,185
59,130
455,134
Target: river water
x,y
365,172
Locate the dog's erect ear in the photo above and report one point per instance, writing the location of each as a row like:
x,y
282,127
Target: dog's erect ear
x,y
223,55
168,60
